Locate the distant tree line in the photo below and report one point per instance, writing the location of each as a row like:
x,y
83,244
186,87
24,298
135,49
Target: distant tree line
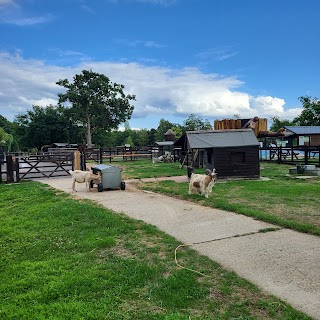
x,y
43,126
95,109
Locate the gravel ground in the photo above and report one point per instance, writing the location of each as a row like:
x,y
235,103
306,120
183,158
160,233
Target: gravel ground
x,y
284,263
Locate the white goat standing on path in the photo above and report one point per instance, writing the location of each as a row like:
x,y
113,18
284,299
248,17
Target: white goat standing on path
x,y
84,176
202,183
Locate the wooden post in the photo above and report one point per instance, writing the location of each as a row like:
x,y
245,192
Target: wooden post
x,y
306,155
0,171
17,169
279,154
83,162
10,175
100,155
77,160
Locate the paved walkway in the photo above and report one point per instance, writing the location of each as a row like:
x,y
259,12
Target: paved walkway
x,y
284,263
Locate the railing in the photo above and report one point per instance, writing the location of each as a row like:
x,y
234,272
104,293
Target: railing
x,y
15,168
290,155
114,154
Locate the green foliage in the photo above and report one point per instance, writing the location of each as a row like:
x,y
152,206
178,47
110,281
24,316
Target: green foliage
x,y
6,139
97,103
129,141
6,125
45,125
278,123
194,123
152,137
163,127
310,115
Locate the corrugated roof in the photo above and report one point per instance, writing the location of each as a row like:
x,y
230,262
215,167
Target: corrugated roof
x,y
304,130
221,138
164,143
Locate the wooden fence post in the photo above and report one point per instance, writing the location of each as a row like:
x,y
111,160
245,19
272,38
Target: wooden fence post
x,y
77,160
100,155
1,171
10,175
306,152
17,169
83,162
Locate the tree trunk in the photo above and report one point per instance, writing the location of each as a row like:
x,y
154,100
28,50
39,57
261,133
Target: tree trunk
x,y
89,134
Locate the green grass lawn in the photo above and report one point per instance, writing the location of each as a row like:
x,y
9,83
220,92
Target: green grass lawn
x,y
283,199
63,258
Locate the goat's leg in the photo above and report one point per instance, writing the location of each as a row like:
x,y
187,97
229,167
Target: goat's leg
x,y
74,185
88,186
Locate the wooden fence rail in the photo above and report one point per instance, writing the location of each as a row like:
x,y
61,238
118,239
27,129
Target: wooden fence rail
x,y
290,155
49,164
13,169
120,153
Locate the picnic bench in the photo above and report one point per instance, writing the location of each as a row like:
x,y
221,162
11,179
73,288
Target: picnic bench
x,y
283,152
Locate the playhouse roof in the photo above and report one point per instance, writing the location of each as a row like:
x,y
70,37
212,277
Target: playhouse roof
x,y
217,139
303,130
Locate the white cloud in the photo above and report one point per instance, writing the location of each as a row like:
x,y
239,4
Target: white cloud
x,y
27,21
217,54
164,3
161,2
161,92
139,43
12,13
42,102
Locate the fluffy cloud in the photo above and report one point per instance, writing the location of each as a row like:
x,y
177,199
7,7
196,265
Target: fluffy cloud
x,y
162,92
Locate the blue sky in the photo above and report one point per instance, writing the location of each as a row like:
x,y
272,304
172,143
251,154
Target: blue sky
x,y
213,58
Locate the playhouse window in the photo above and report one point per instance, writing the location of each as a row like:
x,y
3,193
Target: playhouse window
x,y
237,157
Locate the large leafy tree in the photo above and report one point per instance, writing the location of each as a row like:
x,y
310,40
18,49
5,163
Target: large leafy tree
x,y
278,123
97,103
194,123
42,126
310,115
6,139
6,133
6,124
163,127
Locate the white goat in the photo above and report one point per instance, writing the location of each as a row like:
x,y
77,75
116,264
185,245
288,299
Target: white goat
x,y
84,176
157,159
202,183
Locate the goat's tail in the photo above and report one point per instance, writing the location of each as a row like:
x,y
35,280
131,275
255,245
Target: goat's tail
x,y
71,172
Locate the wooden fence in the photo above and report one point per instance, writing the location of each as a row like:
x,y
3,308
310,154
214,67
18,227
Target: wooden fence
x,y
291,155
120,153
13,169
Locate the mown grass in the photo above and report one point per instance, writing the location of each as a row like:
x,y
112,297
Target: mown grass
x,y
63,258
146,169
284,199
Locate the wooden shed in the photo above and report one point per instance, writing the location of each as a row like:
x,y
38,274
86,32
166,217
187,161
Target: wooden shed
x,y
233,153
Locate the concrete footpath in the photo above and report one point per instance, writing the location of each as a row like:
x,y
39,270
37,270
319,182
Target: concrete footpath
x,y
284,263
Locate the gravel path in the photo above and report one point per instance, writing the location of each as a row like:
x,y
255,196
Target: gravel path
x,y
284,263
